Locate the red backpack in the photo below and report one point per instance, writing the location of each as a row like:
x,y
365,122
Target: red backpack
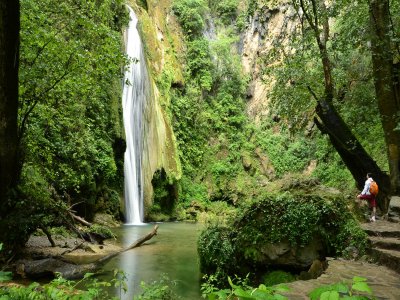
x,y
373,188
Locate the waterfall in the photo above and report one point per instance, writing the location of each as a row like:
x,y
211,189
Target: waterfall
x,y
136,90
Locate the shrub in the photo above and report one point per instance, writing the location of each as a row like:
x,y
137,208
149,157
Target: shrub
x,y
160,290
190,15
277,277
216,251
293,217
357,289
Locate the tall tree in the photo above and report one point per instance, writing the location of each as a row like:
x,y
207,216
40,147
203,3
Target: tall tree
x,y
386,83
328,120
9,63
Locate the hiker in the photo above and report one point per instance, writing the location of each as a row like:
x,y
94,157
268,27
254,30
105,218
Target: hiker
x,y
369,194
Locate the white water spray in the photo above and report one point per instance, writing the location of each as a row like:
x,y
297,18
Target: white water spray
x,y
135,92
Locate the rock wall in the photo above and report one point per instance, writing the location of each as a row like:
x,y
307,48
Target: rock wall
x,y
159,146
266,27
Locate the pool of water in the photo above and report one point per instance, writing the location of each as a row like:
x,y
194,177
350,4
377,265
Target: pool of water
x,y
172,252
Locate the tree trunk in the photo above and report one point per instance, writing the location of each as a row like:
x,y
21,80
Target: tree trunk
x,y
386,85
356,159
9,62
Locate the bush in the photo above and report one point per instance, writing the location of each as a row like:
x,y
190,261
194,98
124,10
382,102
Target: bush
x,y
160,290
227,10
61,289
296,218
277,277
216,252
190,15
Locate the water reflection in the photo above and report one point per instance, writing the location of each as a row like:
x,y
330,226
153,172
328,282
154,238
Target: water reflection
x,y
172,252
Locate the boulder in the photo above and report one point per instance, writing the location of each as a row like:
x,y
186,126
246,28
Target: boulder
x,y
293,257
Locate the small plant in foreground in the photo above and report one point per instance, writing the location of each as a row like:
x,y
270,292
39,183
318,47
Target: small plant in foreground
x,y
242,291
358,289
4,276
160,290
63,289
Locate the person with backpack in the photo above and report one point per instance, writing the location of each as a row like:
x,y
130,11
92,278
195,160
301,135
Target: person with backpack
x,y
369,193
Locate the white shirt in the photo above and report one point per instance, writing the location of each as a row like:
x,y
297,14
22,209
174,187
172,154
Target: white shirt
x,y
367,184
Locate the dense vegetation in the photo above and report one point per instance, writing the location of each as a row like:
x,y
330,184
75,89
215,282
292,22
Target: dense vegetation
x,y
69,99
214,135
225,155
69,121
70,138
291,217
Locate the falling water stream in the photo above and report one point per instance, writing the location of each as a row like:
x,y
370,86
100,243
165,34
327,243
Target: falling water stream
x,y
136,90
173,250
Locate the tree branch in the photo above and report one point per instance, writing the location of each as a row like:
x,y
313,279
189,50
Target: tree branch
x,y
312,93
25,116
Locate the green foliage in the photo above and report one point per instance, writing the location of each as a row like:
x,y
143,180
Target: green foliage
x,y
351,236
216,251
165,191
330,168
287,154
296,218
199,62
190,14
209,119
58,231
192,191
61,289
357,289
214,134
160,289
4,276
88,288
242,291
71,60
102,230
300,70
33,208
277,277
226,10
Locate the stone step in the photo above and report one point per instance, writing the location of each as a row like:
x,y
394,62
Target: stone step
x,y
394,218
385,242
385,283
382,228
394,206
386,257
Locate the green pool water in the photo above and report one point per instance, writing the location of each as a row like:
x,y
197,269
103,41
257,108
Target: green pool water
x,y
172,252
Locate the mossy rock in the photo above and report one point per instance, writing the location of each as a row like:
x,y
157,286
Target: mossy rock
x,y
288,230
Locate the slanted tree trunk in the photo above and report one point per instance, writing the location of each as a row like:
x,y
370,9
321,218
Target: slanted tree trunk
x,y
356,159
386,85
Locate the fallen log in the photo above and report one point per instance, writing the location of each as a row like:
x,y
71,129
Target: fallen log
x,y
80,219
136,244
48,267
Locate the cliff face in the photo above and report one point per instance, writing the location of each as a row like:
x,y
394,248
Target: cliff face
x,y
166,52
267,29
159,39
